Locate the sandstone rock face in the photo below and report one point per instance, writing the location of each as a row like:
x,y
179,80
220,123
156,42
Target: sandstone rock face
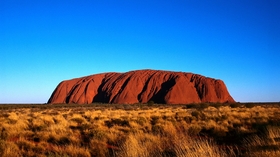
x,y
141,86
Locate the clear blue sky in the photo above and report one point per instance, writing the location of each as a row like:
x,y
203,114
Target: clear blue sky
x,y
43,42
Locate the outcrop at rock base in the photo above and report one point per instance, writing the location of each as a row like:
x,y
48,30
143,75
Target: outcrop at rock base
x,y
141,86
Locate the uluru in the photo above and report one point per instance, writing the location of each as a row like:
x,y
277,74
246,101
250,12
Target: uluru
x,y
141,86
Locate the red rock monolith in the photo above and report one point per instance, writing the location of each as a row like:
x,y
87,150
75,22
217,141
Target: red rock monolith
x,y
141,86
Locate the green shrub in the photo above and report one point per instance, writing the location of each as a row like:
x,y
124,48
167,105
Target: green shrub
x,y
235,105
63,141
154,120
203,105
250,105
151,103
188,106
195,114
52,140
118,121
216,105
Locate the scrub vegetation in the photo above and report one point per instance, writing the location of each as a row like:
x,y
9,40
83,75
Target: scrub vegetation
x,y
146,130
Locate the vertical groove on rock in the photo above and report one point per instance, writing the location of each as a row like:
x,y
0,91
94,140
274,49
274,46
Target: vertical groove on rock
x,y
100,96
121,89
144,89
70,94
160,95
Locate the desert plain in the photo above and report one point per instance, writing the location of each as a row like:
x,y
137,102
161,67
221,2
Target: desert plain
x,y
146,130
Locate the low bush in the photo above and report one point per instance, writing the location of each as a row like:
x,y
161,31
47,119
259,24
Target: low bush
x,y
151,103
119,122
235,105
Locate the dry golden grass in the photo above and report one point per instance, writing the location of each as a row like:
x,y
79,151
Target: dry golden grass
x,y
128,131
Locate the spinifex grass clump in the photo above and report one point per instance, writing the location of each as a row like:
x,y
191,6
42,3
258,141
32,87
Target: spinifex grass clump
x,y
140,130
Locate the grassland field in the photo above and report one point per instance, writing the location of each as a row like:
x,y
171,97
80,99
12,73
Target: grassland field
x,y
140,130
